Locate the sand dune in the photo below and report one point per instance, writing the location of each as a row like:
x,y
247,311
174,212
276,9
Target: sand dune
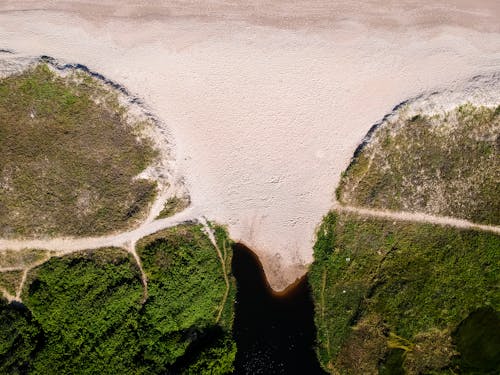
x,y
266,101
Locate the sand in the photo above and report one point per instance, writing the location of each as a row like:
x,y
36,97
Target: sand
x,y
265,102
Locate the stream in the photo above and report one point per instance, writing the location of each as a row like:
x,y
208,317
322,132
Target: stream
x,y
274,333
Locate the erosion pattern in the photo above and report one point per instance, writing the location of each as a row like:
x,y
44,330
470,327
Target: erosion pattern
x,y
258,140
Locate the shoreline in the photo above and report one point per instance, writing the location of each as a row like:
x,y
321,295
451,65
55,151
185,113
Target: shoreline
x,y
264,117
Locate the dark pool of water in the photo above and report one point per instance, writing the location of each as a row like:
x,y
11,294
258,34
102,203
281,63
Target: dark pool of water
x,y
478,341
274,334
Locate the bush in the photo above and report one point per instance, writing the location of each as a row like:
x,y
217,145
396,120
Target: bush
x,y
419,280
86,315
68,165
443,165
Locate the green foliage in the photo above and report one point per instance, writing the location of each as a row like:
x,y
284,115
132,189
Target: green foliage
x,y
216,358
87,315
445,165
173,205
186,288
87,305
420,280
19,336
175,263
225,245
68,164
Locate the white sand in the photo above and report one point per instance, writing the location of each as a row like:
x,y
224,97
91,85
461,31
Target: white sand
x,y
265,103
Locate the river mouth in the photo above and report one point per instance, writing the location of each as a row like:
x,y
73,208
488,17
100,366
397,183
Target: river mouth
x,y
274,332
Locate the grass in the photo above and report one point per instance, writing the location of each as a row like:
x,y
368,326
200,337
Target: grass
x,y
70,157
174,205
443,165
22,258
10,281
385,290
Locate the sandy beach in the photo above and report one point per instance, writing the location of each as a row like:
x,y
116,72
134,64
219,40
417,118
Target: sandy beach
x,y
264,102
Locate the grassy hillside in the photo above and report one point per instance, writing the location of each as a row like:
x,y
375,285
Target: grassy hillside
x,y
173,205
21,258
68,164
10,281
445,165
85,313
394,298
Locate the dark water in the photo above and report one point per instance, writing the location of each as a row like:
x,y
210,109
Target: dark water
x,y
478,341
274,334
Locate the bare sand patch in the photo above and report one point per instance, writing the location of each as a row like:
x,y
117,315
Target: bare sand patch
x,y
265,103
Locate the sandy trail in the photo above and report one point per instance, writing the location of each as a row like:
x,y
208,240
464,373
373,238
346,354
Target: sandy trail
x,y
208,231
124,240
64,246
418,217
26,270
265,102
128,239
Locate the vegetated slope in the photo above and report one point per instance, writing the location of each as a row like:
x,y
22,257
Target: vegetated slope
x,y
398,297
443,164
186,292
22,258
87,306
19,336
173,205
85,312
10,281
70,157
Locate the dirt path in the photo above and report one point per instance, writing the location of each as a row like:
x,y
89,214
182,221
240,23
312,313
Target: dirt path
x,y
238,153
144,278
222,259
124,239
419,218
127,240
64,246
25,269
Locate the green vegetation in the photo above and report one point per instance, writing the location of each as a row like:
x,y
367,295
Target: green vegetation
x,y
10,281
69,157
401,298
390,295
444,164
87,306
186,288
85,312
19,336
174,205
